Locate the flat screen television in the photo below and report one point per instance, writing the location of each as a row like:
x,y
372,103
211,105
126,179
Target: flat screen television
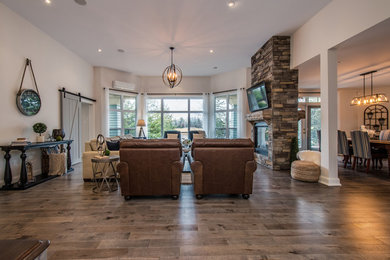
x,y
257,97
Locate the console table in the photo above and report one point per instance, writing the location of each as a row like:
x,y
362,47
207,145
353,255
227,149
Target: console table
x,y
23,182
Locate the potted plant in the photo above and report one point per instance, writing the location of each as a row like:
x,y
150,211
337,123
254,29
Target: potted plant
x,y
40,128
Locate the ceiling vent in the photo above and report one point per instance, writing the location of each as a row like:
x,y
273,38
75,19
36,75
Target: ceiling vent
x,y
122,85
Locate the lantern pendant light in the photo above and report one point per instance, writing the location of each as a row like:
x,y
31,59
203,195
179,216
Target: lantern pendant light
x,y
172,74
369,99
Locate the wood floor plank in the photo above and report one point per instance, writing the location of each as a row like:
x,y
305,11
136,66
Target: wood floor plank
x,y
283,219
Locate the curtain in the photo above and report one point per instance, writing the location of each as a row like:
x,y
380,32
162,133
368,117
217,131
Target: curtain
x,y
241,113
105,123
144,112
206,113
211,112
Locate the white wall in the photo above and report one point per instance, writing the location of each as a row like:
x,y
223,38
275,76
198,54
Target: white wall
x,y
335,23
352,117
155,84
54,67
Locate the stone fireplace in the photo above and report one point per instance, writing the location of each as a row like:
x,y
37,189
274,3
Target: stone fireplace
x,y
273,128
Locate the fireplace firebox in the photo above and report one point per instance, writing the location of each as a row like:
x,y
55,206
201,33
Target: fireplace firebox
x,y
261,138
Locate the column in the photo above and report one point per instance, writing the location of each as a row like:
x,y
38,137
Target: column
x,y
328,84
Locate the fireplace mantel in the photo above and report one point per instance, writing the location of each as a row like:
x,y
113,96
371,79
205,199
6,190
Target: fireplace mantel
x,y
263,115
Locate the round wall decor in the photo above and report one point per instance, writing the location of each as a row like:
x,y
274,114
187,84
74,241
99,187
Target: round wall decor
x,y
28,102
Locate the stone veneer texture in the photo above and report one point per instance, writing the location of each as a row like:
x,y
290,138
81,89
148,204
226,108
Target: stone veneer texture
x,y
272,64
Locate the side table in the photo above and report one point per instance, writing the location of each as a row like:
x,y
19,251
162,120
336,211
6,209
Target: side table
x,y
101,166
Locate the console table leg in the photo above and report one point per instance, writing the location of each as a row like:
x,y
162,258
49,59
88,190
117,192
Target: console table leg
x,y
69,159
23,169
7,171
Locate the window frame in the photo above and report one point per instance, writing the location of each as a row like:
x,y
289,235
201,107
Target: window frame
x,y
122,111
188,112
226,111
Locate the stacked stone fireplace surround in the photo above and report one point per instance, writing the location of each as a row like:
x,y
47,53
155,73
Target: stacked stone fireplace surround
x,y
271,63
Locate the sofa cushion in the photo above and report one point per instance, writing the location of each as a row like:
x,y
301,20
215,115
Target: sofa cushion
x,y
113,145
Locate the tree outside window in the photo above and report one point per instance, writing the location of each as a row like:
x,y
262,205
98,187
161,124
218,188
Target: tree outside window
x,y
179,114
226,116
122,114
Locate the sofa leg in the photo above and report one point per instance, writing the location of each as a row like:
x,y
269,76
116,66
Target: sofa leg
x,y
174,197
245,196
127,197
199,196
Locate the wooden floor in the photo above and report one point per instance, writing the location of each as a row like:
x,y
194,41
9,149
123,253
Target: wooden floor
x,y
283,219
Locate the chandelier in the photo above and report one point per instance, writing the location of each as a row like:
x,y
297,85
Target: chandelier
x,y
368,99
172,74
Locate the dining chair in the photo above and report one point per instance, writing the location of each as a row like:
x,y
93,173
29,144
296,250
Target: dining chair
x,y
361,148
384,135
343,147
172,133
319,139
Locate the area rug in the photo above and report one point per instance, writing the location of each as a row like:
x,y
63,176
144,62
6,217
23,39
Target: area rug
x,y
186,178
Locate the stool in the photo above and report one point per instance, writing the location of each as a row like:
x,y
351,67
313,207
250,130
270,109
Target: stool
x,y
305,171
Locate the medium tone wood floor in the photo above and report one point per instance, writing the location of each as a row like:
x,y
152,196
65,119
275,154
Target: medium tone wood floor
x,y
283,219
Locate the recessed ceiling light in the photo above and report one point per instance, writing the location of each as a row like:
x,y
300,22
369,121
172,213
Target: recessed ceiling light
x,y
231,4
48,2
211,51
100,50
81,2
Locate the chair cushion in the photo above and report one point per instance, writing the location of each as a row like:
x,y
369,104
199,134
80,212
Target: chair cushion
x,y
310,156
172,136
197,136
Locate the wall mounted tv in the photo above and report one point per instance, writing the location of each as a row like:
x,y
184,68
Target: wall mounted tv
x,y
257,97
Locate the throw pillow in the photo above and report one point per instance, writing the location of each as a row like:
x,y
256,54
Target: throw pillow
x,y
113,145
172,136
197,136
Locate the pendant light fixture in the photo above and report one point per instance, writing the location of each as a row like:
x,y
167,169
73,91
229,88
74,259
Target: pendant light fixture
x,y
172,74
369,99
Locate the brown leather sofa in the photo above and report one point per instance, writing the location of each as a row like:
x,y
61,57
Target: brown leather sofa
x,y
150,167
223,166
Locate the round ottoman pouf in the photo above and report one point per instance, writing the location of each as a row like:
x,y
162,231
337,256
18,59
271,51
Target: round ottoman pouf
x,y
305,171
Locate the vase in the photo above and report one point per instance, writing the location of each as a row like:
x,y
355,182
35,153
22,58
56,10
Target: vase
x,y
40,138
58,132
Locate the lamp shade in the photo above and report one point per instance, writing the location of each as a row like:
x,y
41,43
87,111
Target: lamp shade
x,y
141,122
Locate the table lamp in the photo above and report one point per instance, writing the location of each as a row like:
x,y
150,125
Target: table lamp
x,y
141,123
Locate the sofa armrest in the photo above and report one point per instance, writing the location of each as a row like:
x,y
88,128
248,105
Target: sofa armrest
x,y
123,170
250,168
177,169
197,169
87,164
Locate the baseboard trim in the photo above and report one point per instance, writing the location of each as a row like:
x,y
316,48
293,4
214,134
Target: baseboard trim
x,y
332,182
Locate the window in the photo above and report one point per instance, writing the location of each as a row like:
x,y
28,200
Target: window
x,y
226,116
122,114
179,114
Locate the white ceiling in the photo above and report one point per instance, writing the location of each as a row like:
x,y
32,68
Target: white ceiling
x,y
146,28
367,51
